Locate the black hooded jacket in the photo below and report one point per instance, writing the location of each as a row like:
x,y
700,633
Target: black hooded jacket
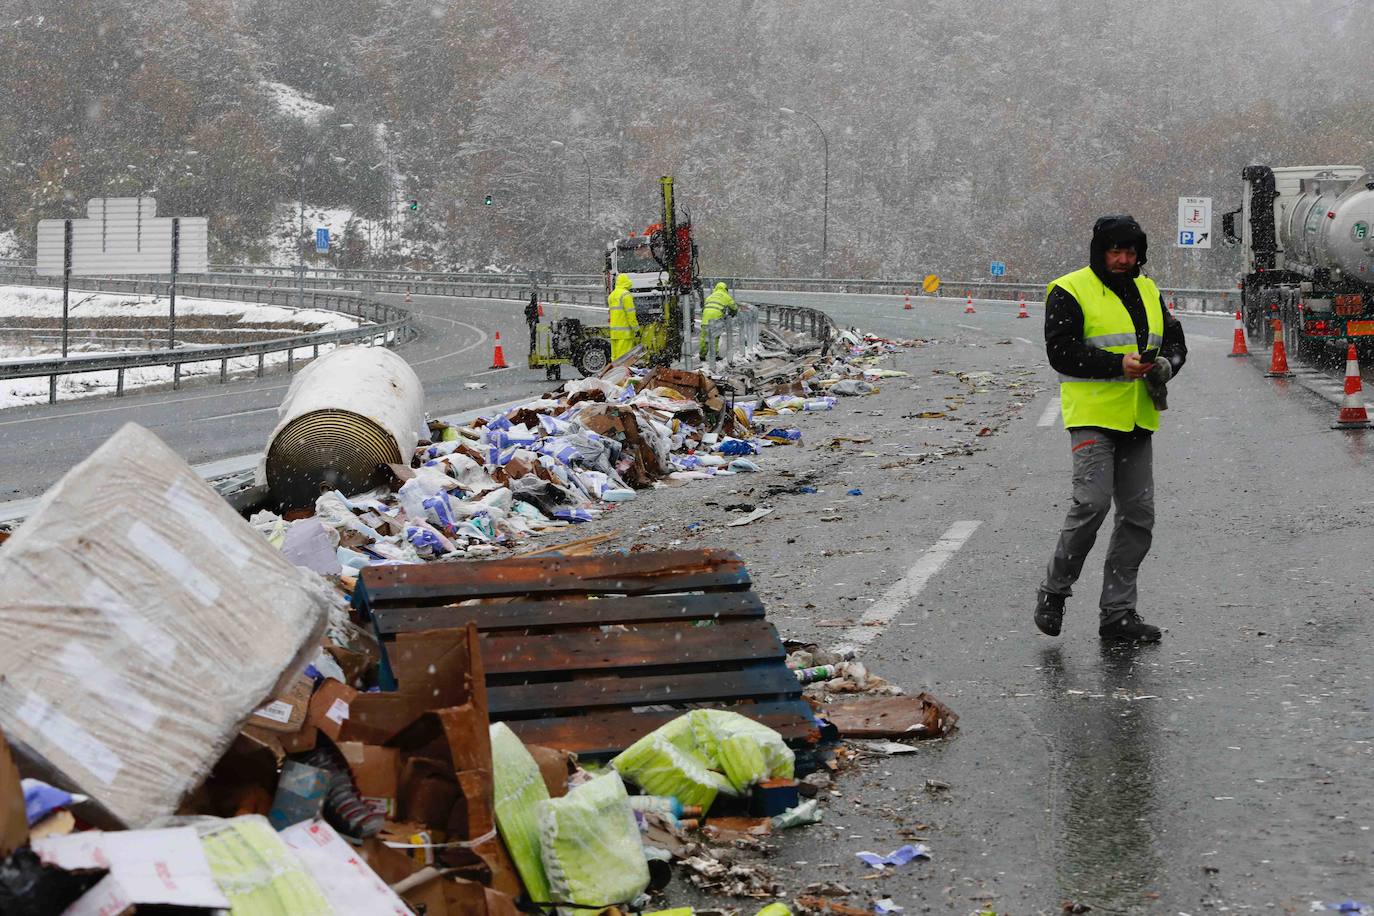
x,y
1067,352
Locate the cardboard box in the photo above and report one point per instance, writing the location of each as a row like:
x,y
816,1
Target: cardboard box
x,y
353,662
376,773
427,791
554,766
330,707
432,672
346,880
416,842
286,711
14,822
147,867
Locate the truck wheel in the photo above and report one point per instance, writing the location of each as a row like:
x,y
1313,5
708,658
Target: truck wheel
x,y
593,357
553,373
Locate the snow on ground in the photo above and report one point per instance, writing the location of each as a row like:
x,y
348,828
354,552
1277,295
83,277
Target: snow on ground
x,y
291,101
47,303
286,227
25,391
9,244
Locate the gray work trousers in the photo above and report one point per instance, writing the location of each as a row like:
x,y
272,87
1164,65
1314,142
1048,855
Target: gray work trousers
x,y
1106,469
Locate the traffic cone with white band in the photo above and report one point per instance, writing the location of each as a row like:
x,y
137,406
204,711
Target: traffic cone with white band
x,y
1238,347
1278,360
1353,414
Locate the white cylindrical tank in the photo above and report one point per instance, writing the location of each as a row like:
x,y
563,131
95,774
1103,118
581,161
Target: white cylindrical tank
x,y
1347,241
345,415
1331,225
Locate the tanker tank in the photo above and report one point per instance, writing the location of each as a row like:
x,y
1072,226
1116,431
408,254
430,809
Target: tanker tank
x,y
1331,226
345,416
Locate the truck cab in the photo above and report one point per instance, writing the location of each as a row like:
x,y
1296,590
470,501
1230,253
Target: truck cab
x,y
648,280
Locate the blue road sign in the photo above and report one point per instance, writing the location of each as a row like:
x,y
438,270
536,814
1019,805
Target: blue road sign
x,y
322,240
1186,238
997,269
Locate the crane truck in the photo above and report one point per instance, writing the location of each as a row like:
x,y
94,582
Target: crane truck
x,y
664,277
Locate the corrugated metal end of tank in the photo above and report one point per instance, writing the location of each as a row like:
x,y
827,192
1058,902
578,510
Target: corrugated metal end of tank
x,y
333,449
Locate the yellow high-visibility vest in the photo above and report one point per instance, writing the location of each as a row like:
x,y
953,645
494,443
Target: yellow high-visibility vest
x,y
1118,403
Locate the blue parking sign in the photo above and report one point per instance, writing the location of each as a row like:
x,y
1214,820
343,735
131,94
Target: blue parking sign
x,y
322,240
997,269
1185,237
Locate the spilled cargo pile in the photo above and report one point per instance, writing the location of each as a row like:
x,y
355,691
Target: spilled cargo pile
x,y
479,489
323,721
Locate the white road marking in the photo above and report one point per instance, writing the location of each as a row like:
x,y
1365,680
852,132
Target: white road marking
x,y
492,371
1051,413
902,592
48,418
1029,343
237,413
968,327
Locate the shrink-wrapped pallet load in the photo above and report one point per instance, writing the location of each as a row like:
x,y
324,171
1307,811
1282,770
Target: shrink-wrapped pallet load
x,y
142,621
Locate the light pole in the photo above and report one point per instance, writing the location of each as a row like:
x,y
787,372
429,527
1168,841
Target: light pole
x,y
825,204
559,144
300,241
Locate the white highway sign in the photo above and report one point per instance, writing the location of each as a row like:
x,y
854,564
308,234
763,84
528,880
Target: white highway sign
x,y
1194,222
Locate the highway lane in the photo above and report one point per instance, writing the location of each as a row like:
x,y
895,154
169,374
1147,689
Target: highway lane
x,y
208,422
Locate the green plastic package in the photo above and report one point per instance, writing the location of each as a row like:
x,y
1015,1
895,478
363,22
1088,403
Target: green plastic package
x,y
519,791
660,766
705,752
258,872
591,848
744,750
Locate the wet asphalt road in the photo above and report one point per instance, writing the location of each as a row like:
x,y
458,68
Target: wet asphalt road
x,y
208,421
1228,768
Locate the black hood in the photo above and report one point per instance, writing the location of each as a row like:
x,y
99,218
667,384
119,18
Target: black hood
x,y
1118,231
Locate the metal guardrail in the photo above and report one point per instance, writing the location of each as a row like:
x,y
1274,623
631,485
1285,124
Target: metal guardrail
x,y
384,325
423,276
1189,298
389,324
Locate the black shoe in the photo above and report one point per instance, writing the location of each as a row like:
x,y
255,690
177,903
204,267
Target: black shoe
x,y
1129,628
1049,613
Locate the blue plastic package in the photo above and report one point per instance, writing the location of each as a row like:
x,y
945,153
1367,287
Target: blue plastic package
x,y
736,448
41,799
899,856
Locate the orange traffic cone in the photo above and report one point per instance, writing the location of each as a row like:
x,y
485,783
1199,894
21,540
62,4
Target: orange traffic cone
x,y
1171,305
541,309
1023,313
1278,361
906,301
407,293
968,305
498,359
1238,347
1353,414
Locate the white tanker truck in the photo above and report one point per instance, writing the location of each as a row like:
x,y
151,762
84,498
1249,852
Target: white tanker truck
x,y
1307,234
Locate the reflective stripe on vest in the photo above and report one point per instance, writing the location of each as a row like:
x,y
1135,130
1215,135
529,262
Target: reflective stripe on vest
x,y
1107,324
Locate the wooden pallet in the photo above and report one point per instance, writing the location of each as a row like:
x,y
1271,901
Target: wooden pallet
x,y
575,647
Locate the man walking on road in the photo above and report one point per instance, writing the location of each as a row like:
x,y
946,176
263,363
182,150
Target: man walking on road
x,y
1114,345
